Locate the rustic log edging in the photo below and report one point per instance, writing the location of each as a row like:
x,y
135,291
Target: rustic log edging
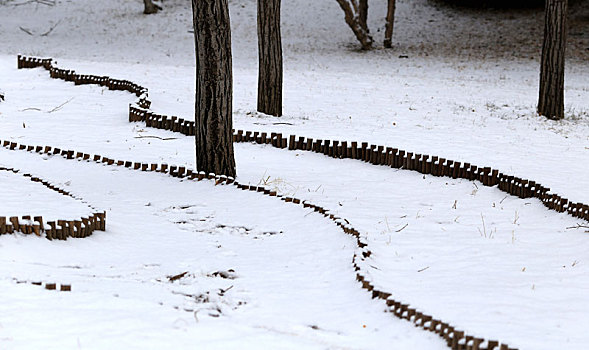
x,y
374,154
455,339
61,287
58,229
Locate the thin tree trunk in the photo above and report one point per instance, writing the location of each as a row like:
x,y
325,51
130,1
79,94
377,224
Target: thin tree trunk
x,y
388,34
270,58
352,19
150,7
551,99
363,14
213,106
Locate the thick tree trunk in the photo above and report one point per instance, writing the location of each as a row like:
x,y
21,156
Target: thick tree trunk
x,y
388,33
213,106
551,100
150,7
270,58
351,10
363,14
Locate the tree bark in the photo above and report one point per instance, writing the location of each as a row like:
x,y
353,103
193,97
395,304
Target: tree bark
x,y
363,14
388,34
270,58
551,99
213,106
150,7
351,10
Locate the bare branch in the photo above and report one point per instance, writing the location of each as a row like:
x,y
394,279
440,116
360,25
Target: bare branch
x,y
25,30
577,227
155,137
51,29
60,106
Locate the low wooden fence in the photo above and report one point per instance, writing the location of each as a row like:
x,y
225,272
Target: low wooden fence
x,y
375,154
57,229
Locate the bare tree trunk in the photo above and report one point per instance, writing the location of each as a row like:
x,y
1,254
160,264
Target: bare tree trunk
x,y
150,7
213,106
270,58
551,100
351,12
388,34
363,14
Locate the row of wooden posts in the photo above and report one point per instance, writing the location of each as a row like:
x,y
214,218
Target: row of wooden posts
x,y
422,163
58,229
383,155
62,287
80,79
455,338
374,154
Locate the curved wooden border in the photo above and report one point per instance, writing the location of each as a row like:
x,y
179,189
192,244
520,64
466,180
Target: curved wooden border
x,y
59,229
374,154
455,339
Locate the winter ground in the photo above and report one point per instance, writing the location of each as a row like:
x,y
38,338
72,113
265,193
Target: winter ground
x,y
466,92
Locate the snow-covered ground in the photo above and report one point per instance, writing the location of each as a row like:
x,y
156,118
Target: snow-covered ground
x,y
21,196
495,266
264,274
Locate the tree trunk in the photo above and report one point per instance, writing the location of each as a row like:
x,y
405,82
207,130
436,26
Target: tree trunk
x,y
213,106
551,100
363,14
388,34
270,58
352,19
150,7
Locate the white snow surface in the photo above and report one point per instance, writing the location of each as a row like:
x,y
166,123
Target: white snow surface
x,y
20,196
493,265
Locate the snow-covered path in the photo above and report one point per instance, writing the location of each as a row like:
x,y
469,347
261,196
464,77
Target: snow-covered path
x,y
451,246
376,198
294,283
496,266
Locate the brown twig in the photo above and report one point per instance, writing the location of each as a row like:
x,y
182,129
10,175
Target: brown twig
x,y
402,228
60,106
51,29
155,137
177,277
223,291
577,227
25,30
